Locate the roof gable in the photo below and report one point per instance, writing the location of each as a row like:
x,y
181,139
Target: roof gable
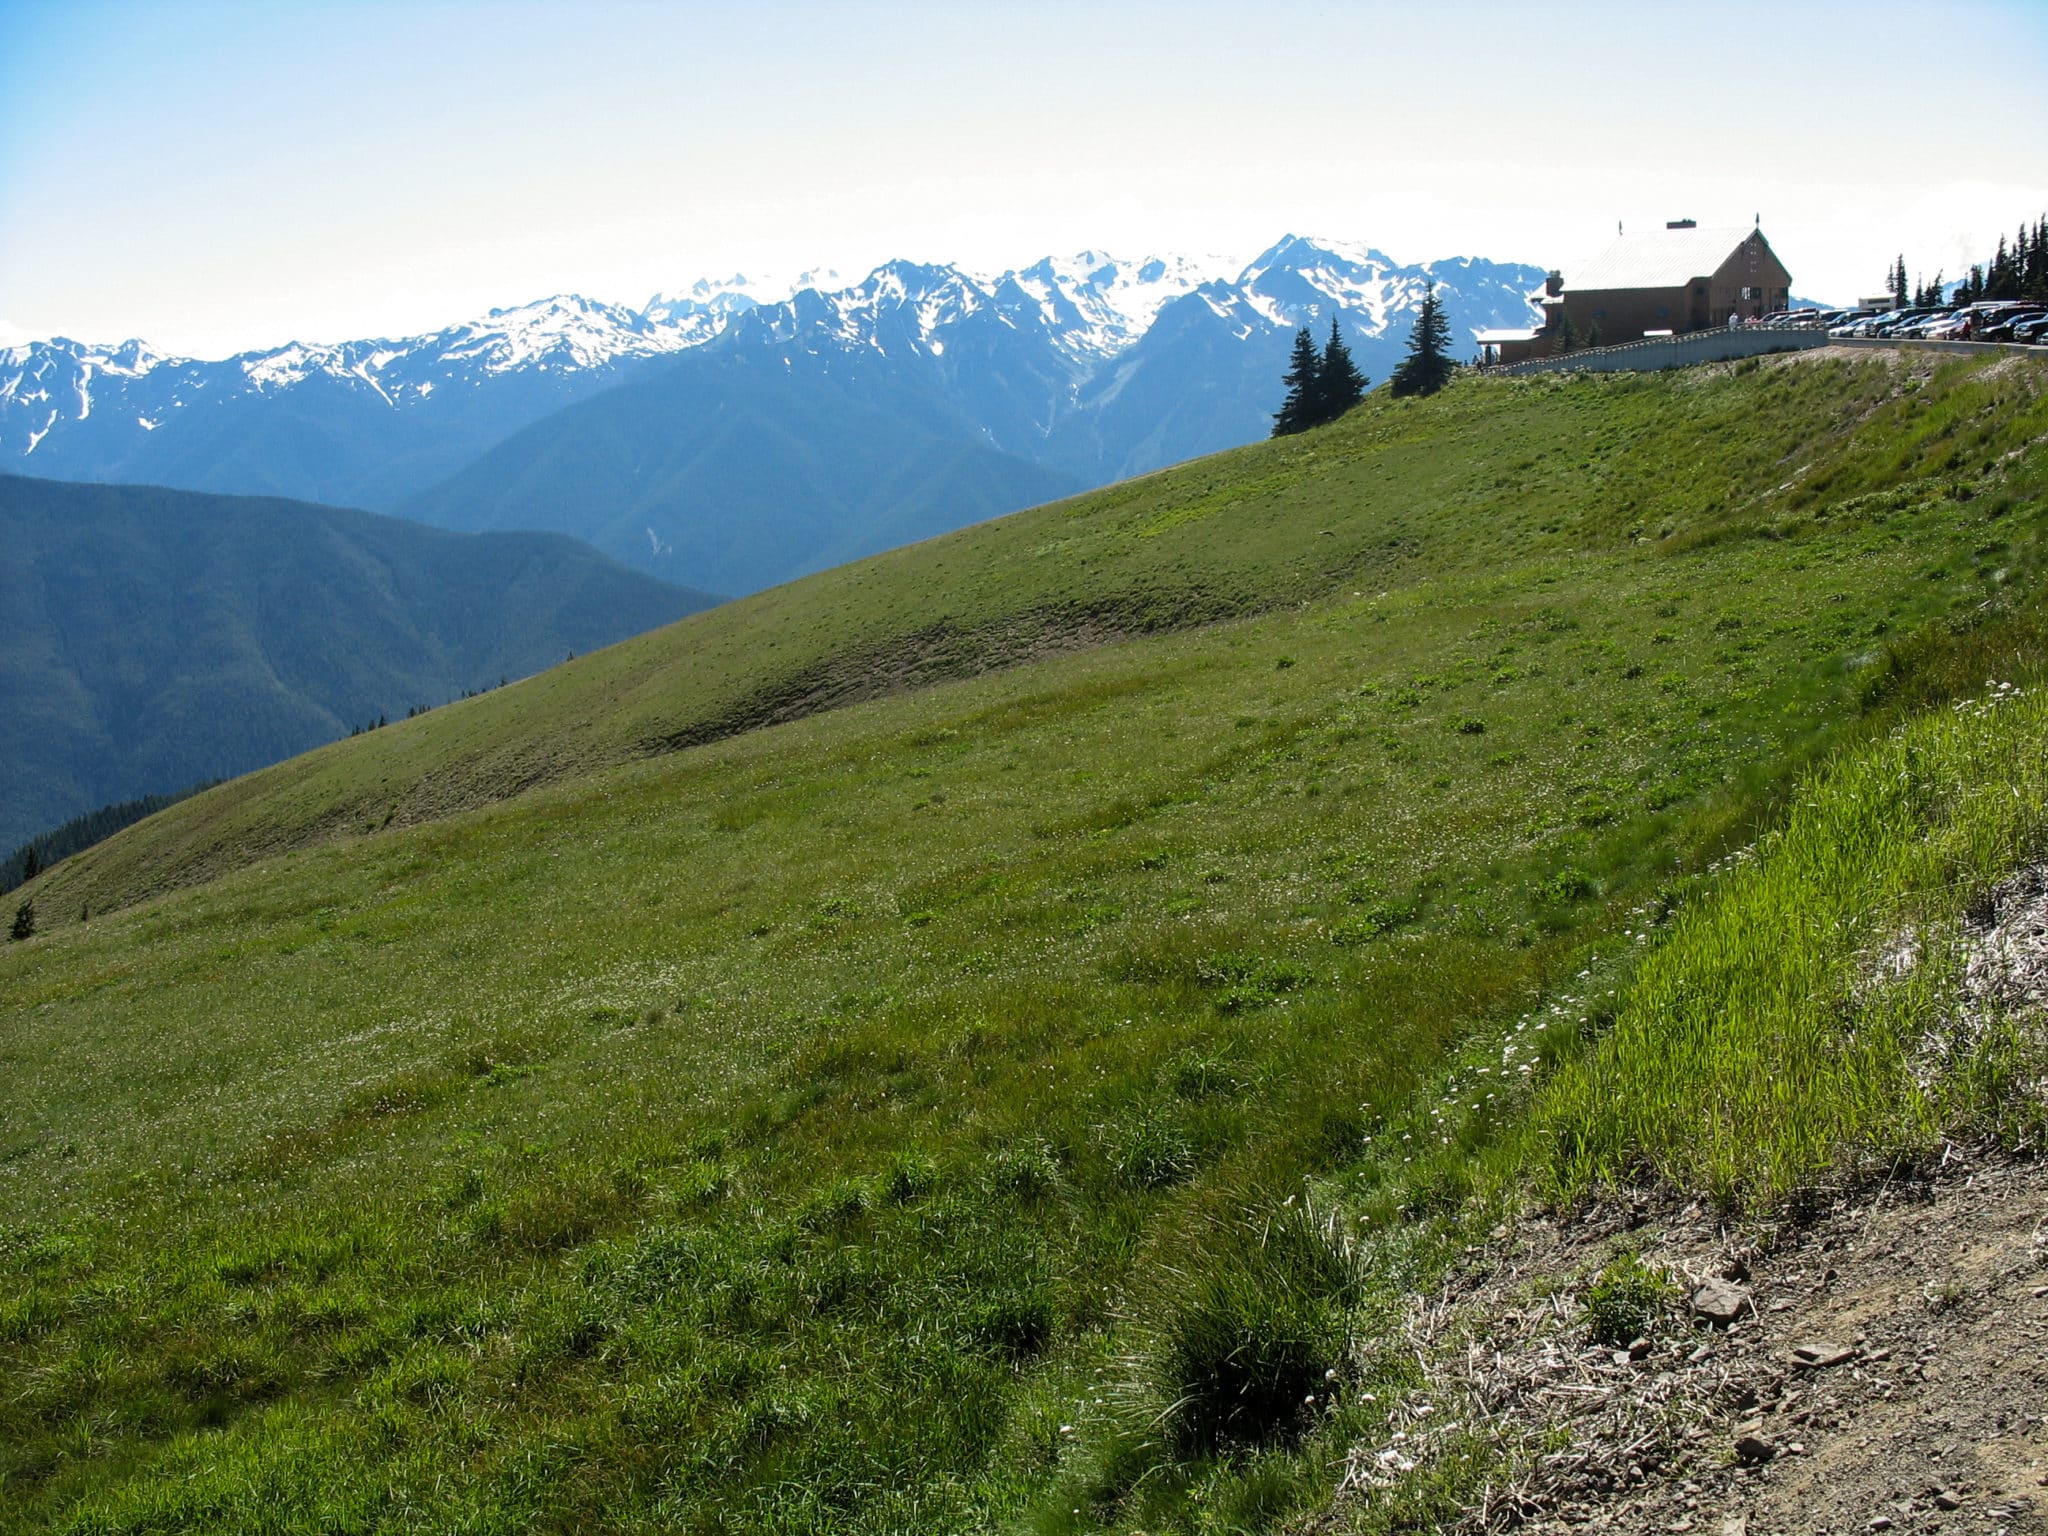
x,y
1658,258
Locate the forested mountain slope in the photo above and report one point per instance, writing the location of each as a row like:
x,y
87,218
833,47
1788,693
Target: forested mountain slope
x,y
151,639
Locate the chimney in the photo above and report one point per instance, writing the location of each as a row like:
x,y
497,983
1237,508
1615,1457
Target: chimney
x,y
1553,285
1682,224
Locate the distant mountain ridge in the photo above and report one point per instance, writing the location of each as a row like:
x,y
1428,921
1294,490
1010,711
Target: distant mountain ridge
x,y
151,639
1058,376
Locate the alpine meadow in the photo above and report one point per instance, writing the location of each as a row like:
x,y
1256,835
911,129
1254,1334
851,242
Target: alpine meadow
x,y
994,1036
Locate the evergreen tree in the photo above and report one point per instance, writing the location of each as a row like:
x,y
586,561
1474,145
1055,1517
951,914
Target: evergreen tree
x,y
1593,334
1303,370
1567,335
1427,367
24,921
1896,281
1339,384
31,863
2005,275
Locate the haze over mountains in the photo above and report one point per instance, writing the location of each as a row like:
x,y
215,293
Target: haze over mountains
x,y
730,438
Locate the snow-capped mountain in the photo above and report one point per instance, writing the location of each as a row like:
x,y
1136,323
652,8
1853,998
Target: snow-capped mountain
x,y
358,422
1096,305
1087,368
703,309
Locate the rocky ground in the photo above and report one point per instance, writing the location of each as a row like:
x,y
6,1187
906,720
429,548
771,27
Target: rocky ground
x,y
1882,1367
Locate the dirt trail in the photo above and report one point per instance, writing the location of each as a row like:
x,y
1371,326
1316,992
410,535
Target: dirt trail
x,y
1887,1370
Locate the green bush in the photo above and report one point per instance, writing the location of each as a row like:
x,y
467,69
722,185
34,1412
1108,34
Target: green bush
x,y
1623,1305
1246,1354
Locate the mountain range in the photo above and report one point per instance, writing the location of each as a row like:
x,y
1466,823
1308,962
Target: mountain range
x,y
730,435
151,639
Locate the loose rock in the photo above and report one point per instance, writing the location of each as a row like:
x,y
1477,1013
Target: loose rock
x,y
1818,1356
1752,1447
1720,1301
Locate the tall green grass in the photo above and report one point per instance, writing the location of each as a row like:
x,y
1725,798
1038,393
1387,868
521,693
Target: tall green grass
x,y
1801,1027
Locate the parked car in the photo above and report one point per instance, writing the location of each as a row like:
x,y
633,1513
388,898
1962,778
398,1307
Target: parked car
x,y
1864,325
2033,330
1884,324
1897,322
1959,326
1997,324
1923,326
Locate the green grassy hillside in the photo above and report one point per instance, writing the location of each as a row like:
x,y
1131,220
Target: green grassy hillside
x,y
1645,477
903,1116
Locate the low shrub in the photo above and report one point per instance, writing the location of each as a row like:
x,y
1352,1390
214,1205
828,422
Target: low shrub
x,y
1624,1303
1249,1350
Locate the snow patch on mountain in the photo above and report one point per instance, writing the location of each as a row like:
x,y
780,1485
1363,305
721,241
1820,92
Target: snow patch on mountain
x,y
1097,305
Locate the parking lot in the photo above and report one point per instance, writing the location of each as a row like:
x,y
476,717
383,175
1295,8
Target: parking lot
x,y
2009,320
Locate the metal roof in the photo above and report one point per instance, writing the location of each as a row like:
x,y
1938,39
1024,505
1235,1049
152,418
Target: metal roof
x,y
1658,258
1495,337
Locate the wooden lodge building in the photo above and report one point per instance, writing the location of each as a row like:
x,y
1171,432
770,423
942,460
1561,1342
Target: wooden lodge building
x,y
1663,281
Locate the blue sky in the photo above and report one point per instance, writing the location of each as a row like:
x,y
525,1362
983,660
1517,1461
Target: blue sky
x,y
226,175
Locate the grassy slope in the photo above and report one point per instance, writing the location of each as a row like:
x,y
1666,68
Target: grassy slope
x,y
790,1133
1780,1037
1396,497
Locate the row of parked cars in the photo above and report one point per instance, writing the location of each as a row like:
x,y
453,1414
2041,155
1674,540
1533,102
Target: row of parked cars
x,y
1991,320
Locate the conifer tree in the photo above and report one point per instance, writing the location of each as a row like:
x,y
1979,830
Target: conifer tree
x,y
1567,335
24,921
1303,369
2005,277
1896,281
1427,367
31,863
1339,384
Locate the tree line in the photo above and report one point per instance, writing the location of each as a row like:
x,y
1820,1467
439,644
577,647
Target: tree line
x,y
75,835
2017,270
1323,385
81,832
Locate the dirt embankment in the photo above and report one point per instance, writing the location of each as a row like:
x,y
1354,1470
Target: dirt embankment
x,y
1884,1370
